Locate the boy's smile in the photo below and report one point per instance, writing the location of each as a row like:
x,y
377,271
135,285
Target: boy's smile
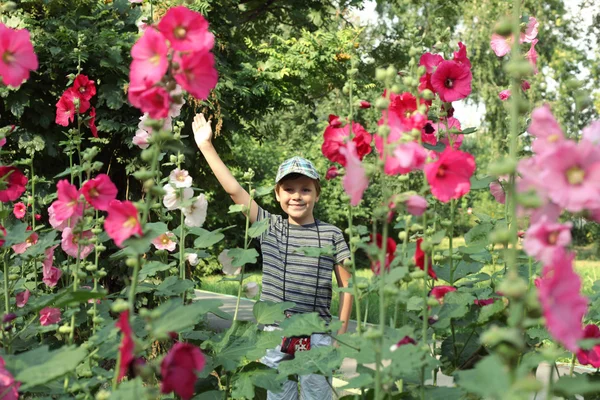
x,y
297,198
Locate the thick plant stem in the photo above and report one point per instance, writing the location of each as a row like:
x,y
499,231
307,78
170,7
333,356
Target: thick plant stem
x,y
182,247
450,238
354,283
6,302
425,309
246,243
572,368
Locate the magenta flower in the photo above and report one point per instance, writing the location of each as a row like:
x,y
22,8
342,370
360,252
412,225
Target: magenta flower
x,y
156,102
430,61
545,128
452,81
99,192
51,274
591,133
525,86
332,173
8,387
497,189
531,31
484,302
448,132
504,95
60,225
563,305
428,133
440,291
415,205
49,316
68,204
165,242
450,176
460,56
12,184
19,210
336,137
17,57
591,356
501,44
186,30
532,56
409,157
30,241
92,122
122,221
65,107
85,87
179,369
355,181
364,104
22,298
196,73
127,346
149,55
544,237
70,243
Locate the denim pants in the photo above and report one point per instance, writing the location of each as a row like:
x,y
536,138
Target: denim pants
x,y
312,387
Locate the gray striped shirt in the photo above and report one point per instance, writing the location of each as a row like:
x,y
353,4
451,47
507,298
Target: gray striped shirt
x,y
301,269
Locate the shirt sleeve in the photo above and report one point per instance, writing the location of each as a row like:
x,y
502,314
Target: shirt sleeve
x,y
341,247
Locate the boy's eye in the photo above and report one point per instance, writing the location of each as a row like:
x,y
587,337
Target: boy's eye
x,y
307,190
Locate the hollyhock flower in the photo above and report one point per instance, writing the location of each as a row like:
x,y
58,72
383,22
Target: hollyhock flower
x,y
445,128
186,30
402,115
192,258
177,101
531,31
484,302
334,121
532,56
402,342
425,83
22,298
2,142
227,263
430,61
99,192
440,291
136,90
141,139
179,369
415,205
65,110
390,253
410,156
17,57
544,237
591,133
165,241
355,181
70,243
49,316
525,86
68,204
85,87
61,225
2,235
195,215
452,81
122,221
156,102
460,56
12,183
127,346
428,133
450,175
336,138
420,260
50,274
364,104
251,289
8,387
30,241
19,210
92,122
180,178
501,44
196,73
545,128
590,356
145,125
332,173
563,305
174,197
497,189
504,95
149,56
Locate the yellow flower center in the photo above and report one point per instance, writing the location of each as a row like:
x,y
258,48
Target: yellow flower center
x,y
553,237
553,138
575,175
155,59
130,223
93,192
165,239
8,58
180,32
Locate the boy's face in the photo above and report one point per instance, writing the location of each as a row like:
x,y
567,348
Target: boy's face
x,y
297,198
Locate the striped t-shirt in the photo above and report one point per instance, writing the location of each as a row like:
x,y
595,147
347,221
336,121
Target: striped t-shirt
x,y
301,269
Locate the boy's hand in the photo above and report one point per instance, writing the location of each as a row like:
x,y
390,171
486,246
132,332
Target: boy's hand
x,y
202,131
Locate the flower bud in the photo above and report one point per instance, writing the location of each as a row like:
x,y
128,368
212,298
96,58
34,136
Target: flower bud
x,y
391,72
148,184
157,191
382,103
101,274
100,247
529,199
91,312
147,154
427,94
91,268
119,305
504,27
383,130
362,285
13,277
390,290
407,278
438,257
421,70
81,275
500,235
519,68
417,274
9,318
402,235
396,89
416,227
432,302
408,81
373,334
65,329
380,74
513,286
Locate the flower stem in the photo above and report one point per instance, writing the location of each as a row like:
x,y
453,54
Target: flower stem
x,y
6,303
354,283
450,237
246,243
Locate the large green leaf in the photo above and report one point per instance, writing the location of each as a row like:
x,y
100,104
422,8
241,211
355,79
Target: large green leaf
x,y
129,390
461,270
481,183
44,366
175,317
269,312
258,228
444,393
173,286
255,374
457,350
17,233
487,312
303,324
206,239
152,267
242,257
489,378
568,386
321,360
456,305
479,233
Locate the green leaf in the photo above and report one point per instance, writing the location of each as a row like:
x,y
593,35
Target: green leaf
x,y
17,233
174,317
487,312
268,312
206,238
303,324
569,386
236,208
468,131
265,340
151,268
263,191
455,352
133,389
258,228
462,270
444,393
242,257
112,95
210,395
173,286
479,233
456,305
483,183
438,237
44,242
256,374
439,147
489,378
47,366
321,360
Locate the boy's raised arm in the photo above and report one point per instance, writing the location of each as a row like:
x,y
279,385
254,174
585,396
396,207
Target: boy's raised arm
x,y
203,136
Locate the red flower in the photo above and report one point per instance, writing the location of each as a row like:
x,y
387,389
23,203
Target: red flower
x,y
122,221
405,106
2,235
99,192
92,122
17,57
67,205
460,56
8,387
428,133
127,345
390,252
420,260
186,30
402,342
450,176
12,184
440,291
196,73
85,87
179,369
334,121
430,61
591,356
19,210
452,81
335,138
49,316
22,298
156,102
332,172
484,302
364,104
65,108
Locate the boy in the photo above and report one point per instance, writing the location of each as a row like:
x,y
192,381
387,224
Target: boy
x,y
289,275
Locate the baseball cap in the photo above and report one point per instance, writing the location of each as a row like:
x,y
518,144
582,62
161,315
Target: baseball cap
x,y
296,165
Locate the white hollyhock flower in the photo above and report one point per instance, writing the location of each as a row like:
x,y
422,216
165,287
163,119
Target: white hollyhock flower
x,y
195,215
180,178
192,258
141,139
173,198
226,262
143,124
251,289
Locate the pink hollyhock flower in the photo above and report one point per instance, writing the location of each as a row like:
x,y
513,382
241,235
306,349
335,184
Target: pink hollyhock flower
x,y
92,122
390,253
65,110
410,156
501,44
2,235
49,316
30,241
504,95
532,56
61,225
149,56
180,178
127,346
591,356
141,139
563,305
179,369
497,189
450,176
334,121
420,260
402,342
428,133
165,241
12,183
460,56
196,73
8,387
484,302
68,204
70,243
336,138
22,298
17,57
156,102
136,90
544,237
402,114
186,30
85,87
355,181
99,192
591,133
415,205
440,291
545,128
51,274
446,129
430,61
19,210
531,31
364,104
332,173
122,221
452,81
525,86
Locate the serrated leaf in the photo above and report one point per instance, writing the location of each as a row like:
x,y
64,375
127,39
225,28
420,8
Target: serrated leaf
x,y
468,131
49,365
321,360
462,270
488,311
437,237
132,389
269,312
174,317
456,305
439,147
151,268
242,257
173,286
483,183
258,228
236,208
17,233
303,324
206,239
479,234
263,191
488,379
